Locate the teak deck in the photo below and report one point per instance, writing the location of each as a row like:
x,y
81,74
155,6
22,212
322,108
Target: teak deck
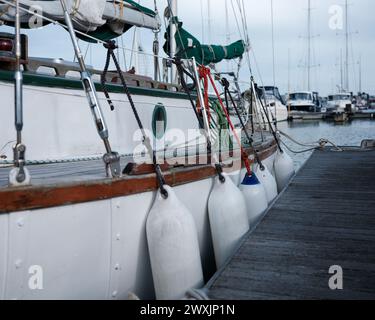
x,y
326,217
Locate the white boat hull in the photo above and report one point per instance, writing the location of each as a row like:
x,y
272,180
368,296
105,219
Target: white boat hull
x,y
280,114
95,250
58,122
277,111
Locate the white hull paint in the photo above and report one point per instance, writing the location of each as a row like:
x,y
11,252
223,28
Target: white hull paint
x,y
281,112
276,109
95,250
58,122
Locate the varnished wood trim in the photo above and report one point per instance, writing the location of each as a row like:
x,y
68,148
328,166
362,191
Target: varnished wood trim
x,y
40,197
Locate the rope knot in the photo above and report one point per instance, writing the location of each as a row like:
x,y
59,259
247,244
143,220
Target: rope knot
x,y
110,45
177,61
204,72
225,83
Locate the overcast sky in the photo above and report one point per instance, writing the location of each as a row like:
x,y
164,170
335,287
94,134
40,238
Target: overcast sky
x,y
290,21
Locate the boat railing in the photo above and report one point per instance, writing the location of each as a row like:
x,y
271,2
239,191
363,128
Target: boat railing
x,y
66,69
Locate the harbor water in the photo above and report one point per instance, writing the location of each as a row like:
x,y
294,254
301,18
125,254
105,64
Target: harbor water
x,y
351,133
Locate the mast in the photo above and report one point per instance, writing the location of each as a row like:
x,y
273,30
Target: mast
x,y
309,46
288,99
346,47
209,21
360,73
227,35
288,71
173,30
273,45
341,72
202,22
227,31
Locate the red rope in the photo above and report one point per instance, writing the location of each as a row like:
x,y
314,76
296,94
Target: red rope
x,y
204,74
245,157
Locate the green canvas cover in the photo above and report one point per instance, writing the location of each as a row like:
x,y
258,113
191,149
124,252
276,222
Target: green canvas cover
x,y
141,8
188,46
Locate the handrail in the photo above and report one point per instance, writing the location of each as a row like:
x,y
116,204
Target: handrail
x,y
62,68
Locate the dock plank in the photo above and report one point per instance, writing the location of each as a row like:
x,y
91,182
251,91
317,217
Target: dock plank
x,y
326,217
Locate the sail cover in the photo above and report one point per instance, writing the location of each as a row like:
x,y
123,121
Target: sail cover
x,y
102,19
188,46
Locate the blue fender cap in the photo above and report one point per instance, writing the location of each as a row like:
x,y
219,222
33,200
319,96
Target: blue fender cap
x,y
250,180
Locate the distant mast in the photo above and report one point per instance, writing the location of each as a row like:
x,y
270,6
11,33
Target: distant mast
x,y
227,29
289,75
360,74
273,46
209,22
341,73
309,46
346,47
173,30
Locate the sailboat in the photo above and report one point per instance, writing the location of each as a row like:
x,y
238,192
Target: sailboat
x,y
306,100
275,103
80,200
342,103
270,94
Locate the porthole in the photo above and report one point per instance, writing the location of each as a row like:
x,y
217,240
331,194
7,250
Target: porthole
x,y
159,121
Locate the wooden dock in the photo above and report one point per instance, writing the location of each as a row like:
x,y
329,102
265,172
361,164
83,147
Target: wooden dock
x,y
325,218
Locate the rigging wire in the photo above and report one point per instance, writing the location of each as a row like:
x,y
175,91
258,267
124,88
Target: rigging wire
x,y
87,50
123,52
244,33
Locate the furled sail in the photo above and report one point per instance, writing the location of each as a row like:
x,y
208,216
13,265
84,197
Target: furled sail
x,y
188,46
103,19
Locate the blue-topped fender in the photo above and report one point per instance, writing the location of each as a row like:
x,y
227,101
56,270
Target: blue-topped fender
x,y
250,180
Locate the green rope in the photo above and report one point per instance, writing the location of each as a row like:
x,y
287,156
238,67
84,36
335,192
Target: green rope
x,y
221,126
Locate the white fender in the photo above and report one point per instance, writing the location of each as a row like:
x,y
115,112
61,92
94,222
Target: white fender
x,y
174,249
255,196
268,181
284,169
269,163
228,218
